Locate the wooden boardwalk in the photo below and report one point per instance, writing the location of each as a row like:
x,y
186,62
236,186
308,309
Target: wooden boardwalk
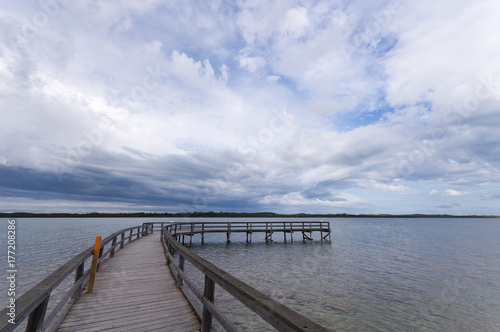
x,y
134,291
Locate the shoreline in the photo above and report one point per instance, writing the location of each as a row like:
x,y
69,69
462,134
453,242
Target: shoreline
x,y
227,215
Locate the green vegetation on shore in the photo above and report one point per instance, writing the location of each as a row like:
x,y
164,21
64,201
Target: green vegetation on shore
x,y
212,214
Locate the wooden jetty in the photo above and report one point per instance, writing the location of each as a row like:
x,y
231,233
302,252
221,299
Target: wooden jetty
x,y
134,291
306,228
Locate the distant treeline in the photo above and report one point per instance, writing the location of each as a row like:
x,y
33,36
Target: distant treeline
x,y
212,214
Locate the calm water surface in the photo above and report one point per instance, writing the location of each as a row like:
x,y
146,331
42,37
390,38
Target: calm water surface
x,y
375,275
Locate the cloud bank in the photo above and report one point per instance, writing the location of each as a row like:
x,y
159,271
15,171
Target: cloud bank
x,y
321,107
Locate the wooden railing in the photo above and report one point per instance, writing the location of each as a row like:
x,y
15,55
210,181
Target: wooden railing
x,y
279,316
179,229
34,303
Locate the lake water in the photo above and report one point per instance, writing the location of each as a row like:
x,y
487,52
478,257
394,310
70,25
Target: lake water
x,y
375,274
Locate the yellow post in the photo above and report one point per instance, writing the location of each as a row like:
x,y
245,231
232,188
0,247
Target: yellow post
x,y
93,268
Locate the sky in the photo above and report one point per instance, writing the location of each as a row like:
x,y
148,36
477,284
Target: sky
x,y
283,106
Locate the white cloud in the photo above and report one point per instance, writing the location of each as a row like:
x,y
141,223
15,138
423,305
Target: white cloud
x,y
448,192
390,188
442,51
295,23
252,64
451,192
296,198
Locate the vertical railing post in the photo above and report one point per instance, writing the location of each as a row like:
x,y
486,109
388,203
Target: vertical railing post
x,y
138,232
192,234
203,233
181,267
122,241
166,248
35,320
206,319
78,274
284,232
113,244
130,236
247,232
101,251
94,267
251,232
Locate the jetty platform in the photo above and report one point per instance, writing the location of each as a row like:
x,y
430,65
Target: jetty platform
x,y
135,280
134,291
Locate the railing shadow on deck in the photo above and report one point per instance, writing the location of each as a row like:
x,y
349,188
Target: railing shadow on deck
x,y
279,316
34,304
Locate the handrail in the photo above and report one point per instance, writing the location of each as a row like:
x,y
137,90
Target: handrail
x,y
33,304
279,316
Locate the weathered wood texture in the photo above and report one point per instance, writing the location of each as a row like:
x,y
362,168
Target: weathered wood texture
x,y
134,291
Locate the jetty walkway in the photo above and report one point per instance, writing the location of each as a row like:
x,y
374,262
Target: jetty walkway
x,y
133,289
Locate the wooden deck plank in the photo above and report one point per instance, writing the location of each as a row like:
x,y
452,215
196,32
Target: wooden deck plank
x,y
133,291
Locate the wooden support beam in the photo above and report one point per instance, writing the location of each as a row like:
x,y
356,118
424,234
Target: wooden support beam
x,y
35,320
203,233
181,267
113,244
78,274
93,268
206,319
284,232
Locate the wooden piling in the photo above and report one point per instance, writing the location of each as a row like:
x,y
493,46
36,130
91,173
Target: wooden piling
x,y
202,233
93,268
